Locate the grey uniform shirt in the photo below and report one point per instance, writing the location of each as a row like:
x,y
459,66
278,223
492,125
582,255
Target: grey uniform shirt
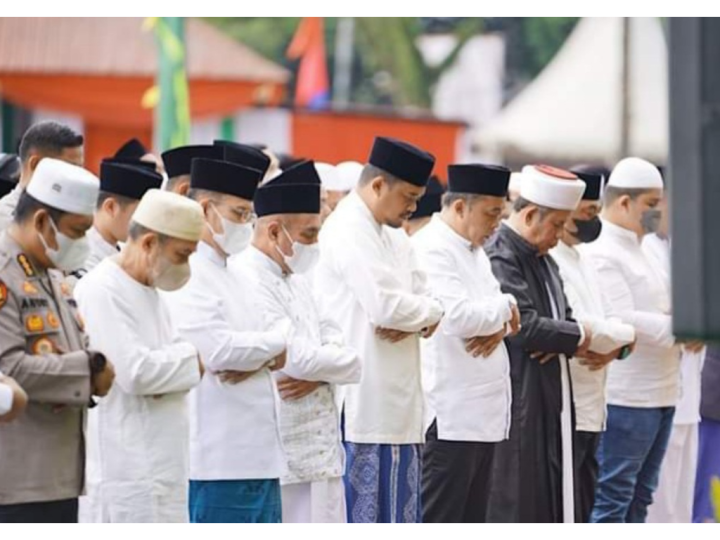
x,y
42,453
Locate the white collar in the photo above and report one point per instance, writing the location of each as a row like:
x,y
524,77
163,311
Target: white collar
x,y
567,251
206,251
621,232
355,201
259,258
448,232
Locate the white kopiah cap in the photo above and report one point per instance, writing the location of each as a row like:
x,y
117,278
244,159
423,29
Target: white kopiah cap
x,y
551,187
65,187
170,214
349,172
329,177
635,173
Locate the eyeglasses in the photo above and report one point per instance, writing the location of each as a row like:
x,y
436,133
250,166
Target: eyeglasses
x,y
246,216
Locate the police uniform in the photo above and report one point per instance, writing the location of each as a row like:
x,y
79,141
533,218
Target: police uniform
x,y
42,454
43,347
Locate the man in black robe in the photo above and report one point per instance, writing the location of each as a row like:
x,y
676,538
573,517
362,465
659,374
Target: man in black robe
x,y
532,477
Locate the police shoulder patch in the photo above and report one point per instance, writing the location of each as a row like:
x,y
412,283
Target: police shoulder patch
x,y
26,265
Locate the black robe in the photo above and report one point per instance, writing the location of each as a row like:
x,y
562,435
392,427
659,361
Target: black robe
x,y
527,473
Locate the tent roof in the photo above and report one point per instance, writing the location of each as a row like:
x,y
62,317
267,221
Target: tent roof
x,y
572,111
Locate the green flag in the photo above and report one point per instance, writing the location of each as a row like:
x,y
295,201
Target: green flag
x,y
172,112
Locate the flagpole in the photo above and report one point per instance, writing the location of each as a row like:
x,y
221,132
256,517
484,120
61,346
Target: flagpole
x,y
343,62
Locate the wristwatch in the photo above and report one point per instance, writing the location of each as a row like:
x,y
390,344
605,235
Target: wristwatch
x,y
97,362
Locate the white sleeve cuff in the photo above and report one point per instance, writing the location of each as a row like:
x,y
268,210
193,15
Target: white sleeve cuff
x,y
6,398
582,334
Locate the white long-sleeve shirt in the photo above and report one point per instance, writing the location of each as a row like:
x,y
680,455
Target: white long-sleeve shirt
x,y
637,295
138,434
368,278
310,426
582,289
469,397
100,249
688,408
6,397
234,429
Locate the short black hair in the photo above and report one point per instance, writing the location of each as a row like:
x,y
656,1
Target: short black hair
x,y
122,200
28,205
613,193
49,138
371,171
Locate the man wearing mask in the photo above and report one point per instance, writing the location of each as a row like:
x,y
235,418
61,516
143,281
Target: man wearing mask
x,y
673,500
236,456
44,139
122,185
138,436
466,368
582,289
643,389
43,347
533,472
370,280
284,250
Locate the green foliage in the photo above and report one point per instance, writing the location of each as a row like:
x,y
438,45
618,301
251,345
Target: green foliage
x,y
386,45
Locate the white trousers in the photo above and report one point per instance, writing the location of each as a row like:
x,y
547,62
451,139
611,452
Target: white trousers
x,y
314,502
673,499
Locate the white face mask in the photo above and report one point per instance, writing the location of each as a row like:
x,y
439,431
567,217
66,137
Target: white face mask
x,y
71,253
170,277
304,256
235,236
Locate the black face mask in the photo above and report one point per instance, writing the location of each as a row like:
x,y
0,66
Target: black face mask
x,y
650,220
587,230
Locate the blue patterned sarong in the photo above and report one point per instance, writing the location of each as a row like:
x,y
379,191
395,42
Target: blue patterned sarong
x,y
382,483
235,501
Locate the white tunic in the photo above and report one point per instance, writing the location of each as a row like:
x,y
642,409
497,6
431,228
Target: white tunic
x,y
368,277
100,249
137,436
691,363
637,294
234,430
470,397
582,290
6,398
310,426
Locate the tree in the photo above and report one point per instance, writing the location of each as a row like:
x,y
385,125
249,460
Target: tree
x,y
388,67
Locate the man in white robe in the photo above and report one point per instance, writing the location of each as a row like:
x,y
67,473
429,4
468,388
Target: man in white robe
x,y
368,277
582,289
138,436
284,250
236,455
466,367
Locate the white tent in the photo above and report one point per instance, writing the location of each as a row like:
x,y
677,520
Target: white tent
x,y
572,112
